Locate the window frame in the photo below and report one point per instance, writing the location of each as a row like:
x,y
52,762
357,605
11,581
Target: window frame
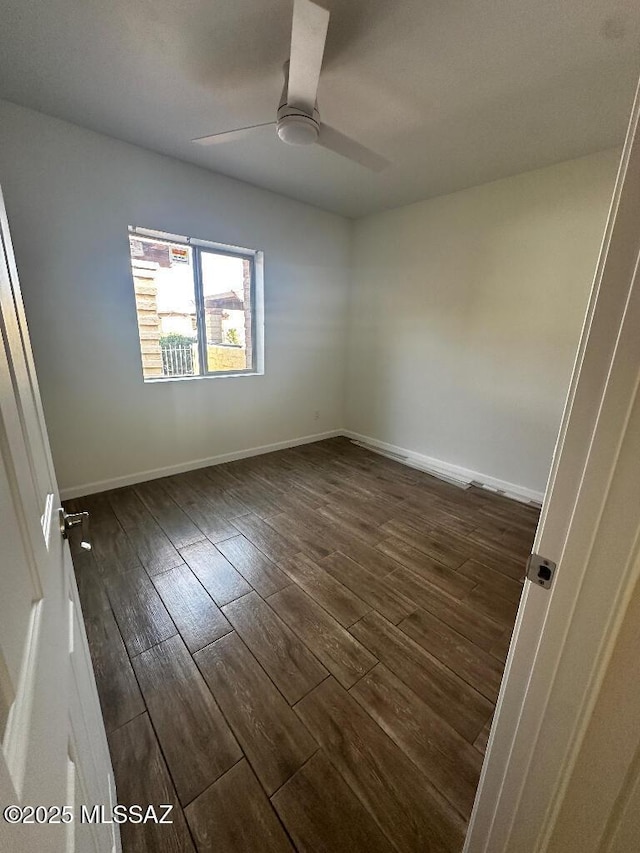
x,y
256,302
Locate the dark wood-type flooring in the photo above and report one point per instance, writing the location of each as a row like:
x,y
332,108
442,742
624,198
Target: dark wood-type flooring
x,y
301,650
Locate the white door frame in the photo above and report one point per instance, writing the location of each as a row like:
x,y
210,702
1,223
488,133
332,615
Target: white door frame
x,y
563,639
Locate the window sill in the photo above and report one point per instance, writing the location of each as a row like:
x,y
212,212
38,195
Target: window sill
x,y
231,375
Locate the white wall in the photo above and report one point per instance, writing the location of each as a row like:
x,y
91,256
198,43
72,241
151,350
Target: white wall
x,y
465,317
70,195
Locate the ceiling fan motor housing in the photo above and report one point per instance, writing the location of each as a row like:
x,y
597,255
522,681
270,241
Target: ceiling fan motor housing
x,y
296,127
298,120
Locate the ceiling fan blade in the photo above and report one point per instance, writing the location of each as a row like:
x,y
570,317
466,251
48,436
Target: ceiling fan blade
x,y
230,135
339,143
308,35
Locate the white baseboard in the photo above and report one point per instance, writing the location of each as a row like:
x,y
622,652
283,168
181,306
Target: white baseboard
x,y
155,473
449,471
446,470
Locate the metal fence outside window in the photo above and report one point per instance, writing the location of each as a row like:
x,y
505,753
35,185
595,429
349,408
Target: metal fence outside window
x,y
178,360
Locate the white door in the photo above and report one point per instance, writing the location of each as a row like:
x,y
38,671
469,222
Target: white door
x,y
589,526
54,749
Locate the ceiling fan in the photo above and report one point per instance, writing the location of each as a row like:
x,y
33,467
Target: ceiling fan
x,y
297,119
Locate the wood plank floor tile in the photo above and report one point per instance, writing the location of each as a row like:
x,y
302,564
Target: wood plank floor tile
x,y
305,538
354,489
500,562
516,541
442,517
500,585
425,566
288,662
215,573
321,812
293,498
142,778
195,738
458,615
263,575
329,593
377,592
373,508
197,618
481,742
343,518
450,763
235,816
434,485
462,707
405,805
386,471
311,486
256,500
210,485
199,508
474,665
345,658
507,533
321,549
220,476
310,481
315,453
523,525
152,545
446,544
110,545
273,483
503,538
91,589
500,649
371,559
270,482
113,551
142,617
308,521
441,545
120,697
398,492
265,538
176,524
483,600
272,737
342,446
498,506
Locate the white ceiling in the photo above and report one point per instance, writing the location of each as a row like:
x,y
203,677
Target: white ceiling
x,y
453,93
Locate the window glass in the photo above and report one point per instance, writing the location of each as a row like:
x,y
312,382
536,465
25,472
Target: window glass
x,y
195,307
166,307
226,289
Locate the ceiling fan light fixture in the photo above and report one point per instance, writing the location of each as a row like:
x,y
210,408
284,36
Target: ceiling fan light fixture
x,y
298,130
297,119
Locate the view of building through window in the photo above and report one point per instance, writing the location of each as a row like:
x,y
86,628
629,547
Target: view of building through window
x,y
194,306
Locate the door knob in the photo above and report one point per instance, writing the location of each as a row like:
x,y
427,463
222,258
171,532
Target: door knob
x,y
69,520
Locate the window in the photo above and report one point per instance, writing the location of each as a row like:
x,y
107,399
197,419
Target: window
x,y
198,306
